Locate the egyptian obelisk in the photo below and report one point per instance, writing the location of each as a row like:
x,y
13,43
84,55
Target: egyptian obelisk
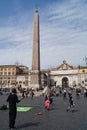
x,y
35,72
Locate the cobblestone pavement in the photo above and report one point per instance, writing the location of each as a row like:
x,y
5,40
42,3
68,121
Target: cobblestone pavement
x,y
57,118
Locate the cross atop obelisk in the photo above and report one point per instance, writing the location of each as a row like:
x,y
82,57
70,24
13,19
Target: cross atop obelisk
x,y
35,73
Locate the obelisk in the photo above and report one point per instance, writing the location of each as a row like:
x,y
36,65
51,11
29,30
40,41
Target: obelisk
x,y
35,72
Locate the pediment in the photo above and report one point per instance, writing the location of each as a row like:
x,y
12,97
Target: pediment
x,y
65,66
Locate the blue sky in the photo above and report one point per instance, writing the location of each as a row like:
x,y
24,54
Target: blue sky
x,y
63,31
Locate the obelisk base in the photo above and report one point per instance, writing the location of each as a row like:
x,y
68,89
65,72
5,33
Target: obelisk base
x,y
35,79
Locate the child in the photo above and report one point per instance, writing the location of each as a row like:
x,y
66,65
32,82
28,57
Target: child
x,y
47,103
31,94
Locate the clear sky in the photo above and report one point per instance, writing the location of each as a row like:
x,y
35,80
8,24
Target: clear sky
x,y
63,31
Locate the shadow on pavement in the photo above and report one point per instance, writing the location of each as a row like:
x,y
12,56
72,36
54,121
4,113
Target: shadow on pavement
x,y
76,110
28,125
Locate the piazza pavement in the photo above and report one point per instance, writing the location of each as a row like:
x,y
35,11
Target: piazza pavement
x,y
57,118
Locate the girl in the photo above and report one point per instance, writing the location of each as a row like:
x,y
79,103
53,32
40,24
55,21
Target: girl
x,y
47,103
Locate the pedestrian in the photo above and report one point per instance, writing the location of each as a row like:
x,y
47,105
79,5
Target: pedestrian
x,y
71,104
47,103
69,93
23,92
31,94
12,100
27,92
85,92
64,93
60,91
78,92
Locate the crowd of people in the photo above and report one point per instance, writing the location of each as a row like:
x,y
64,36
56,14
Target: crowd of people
x,y
66,93
48,94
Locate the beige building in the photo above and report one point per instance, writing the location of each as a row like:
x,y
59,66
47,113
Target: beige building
x,y
10,75
66,75
7,75
22,77
82,75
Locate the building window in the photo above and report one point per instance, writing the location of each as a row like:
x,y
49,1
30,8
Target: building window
x,y
1,69
9,68
9,73
83,71
26,77
13,73
20,81
23,82
85,80
5,69
1,73
5,73
0,77
82,82
13,77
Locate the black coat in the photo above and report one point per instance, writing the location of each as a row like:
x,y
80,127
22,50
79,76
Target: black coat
x,y
12,99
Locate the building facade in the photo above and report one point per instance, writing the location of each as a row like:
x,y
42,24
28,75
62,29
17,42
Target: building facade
x,y
22,76
82,75
12,75
7,75
66,75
